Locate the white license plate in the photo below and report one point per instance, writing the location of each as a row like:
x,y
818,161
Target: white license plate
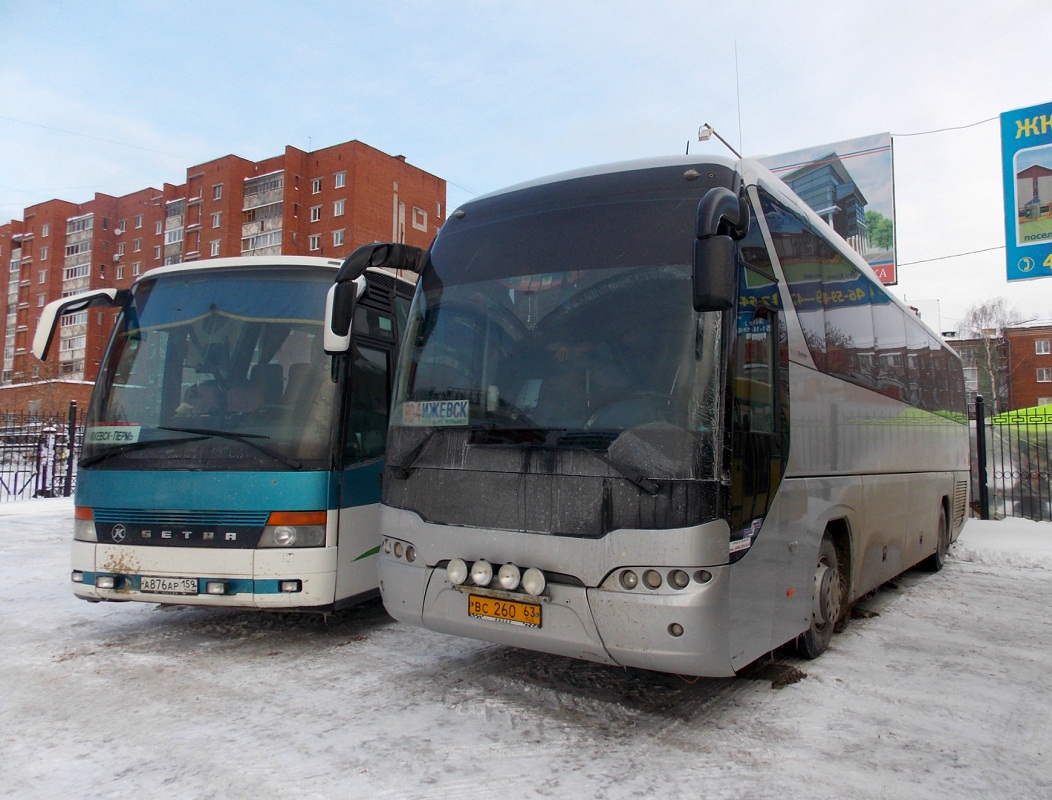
x,y
167,585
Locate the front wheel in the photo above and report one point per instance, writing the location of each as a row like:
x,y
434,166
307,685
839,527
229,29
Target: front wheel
x,y
827,601
937,560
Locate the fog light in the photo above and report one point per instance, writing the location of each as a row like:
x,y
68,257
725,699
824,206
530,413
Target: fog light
x,y
410,553
652,578
678,578
675,629
629,580
533,581
77,577
105,582
387,546
215,587
397,550
457,571
290,587
703,576
508,577
481,572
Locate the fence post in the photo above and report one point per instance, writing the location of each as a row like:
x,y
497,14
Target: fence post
x,y
980,445
71,440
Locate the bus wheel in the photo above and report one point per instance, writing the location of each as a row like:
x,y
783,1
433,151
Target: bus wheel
x,y
937,560
826,602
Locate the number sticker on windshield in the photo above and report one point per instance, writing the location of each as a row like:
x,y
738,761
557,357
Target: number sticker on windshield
x,y
435,412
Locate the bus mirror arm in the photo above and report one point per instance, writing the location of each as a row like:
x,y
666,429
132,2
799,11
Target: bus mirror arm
x,y
723,218
381,255
53,312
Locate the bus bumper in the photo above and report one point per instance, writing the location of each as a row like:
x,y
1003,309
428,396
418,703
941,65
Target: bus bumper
x,y
275,579
678,631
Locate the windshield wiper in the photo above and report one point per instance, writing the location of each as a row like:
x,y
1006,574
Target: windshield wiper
x,y
132,446
405,469
628,473
246,438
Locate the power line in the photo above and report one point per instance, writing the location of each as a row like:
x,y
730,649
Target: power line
x,y
943,130
88,136
955,255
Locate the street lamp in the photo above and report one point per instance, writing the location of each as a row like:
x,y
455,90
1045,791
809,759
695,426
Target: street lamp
x,y
706,131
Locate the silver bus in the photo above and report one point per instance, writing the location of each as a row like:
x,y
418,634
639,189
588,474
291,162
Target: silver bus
x,y
659,415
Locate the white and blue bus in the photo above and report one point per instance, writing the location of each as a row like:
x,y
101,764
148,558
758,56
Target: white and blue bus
x,y
660,415
228,460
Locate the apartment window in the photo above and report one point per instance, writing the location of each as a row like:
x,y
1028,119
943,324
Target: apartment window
x,y
43,257
214,249
217,192
419,219
120,249
137,245
136,268
78,271
73,343
40,301
315,186
42,276
337,238
1044,375
1041,347
216,217
159,228
120,273
315,242
341,180
157,251
80,248
138,221
122,226
315,213
337,208
45,230
174,236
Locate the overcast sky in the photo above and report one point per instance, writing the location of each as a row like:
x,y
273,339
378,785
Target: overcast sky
x,y
117,96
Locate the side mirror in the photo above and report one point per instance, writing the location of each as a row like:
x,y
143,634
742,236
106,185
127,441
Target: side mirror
x,y
350,286
723,218
339,312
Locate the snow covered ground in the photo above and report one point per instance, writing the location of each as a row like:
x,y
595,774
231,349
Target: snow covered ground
x,y
940,688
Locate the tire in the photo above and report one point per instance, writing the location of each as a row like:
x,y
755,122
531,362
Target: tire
x,y
937,560
827,602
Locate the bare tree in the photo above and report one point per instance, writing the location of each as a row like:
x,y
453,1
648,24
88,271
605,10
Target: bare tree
x,y
983,327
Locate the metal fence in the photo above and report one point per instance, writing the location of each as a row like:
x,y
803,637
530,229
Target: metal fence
x,y
1011,460
38,454
1013,464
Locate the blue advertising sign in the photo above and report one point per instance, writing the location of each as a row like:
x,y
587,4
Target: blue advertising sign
x,y
1026,151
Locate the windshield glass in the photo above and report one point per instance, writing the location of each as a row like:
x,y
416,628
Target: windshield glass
x,y
592,346
216,370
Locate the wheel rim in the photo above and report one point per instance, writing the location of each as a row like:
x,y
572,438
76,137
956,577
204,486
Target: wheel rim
x,y
825,604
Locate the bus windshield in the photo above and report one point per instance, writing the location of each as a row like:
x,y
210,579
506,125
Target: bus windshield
x,y
591,345
216,370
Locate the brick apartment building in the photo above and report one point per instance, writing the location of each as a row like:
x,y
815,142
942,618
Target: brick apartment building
x,y
1011,370
322,203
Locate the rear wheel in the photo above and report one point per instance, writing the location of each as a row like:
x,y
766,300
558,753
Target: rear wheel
x,y
937,560
827,601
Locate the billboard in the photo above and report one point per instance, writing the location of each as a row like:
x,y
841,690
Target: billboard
x,y
1026,159
851,185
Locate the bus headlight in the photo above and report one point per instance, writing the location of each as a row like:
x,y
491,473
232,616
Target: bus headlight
x,y
294,529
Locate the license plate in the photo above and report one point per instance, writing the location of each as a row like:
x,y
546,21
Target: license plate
x,y
510,611
168,585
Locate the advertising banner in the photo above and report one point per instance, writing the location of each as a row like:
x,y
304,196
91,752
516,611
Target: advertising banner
x,y
1026,158
851,185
